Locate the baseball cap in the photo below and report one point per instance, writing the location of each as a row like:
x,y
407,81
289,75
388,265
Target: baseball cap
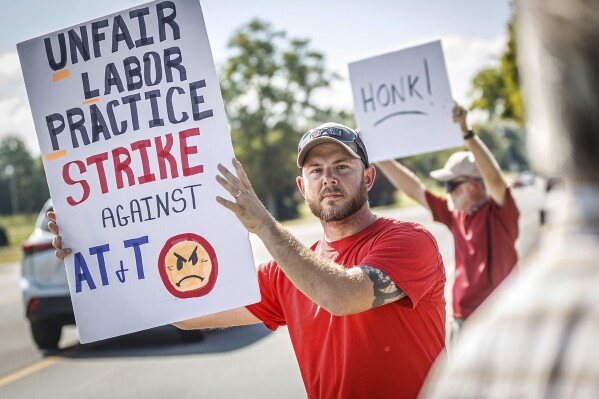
x,y
460,163
331,132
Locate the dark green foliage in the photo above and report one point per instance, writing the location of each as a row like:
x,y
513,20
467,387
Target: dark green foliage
x,y
497,92
269,85
3,237
497,89
26,182
505,139
382,193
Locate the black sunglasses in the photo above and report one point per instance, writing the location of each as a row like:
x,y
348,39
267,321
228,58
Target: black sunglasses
x,y
338,133
452,185
348,137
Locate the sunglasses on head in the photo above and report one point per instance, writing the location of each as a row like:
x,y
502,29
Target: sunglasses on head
x,y
338,133
452,185
347,136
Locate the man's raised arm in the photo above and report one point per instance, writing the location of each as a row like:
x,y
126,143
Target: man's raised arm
x,y
338,290
405,180
488,166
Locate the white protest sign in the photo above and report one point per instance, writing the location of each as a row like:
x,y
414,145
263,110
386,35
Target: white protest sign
x,y
131,126
403,103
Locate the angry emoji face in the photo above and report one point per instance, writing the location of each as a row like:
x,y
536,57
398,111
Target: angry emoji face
x,y
188,266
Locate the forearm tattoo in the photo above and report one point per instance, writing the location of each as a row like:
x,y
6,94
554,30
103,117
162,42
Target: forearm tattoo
x,y
385,290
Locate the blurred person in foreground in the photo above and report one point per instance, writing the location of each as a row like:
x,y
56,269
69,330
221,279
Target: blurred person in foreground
x,y
537,336
364,305
480,212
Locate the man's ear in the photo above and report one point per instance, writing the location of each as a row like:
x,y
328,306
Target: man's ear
x,y
369,176
300,184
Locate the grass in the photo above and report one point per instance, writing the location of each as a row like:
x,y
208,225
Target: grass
x,y
9,255
18,227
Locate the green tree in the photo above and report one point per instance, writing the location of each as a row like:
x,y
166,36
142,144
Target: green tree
x,y
513,108
488,86
507,141
269,85
20,175
497,89
497,92
39,185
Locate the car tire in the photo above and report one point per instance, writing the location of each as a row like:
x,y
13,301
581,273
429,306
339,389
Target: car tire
x,y
46,333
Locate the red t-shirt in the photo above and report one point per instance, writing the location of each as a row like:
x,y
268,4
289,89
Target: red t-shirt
x,y
485,251
384,352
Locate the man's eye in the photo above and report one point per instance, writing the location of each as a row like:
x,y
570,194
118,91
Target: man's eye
x,y
342,167
316,170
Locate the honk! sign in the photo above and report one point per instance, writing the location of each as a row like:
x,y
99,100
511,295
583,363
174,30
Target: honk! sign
x,y
131,126
403,103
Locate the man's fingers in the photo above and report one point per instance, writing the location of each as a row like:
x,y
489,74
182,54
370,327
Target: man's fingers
x,y
234,183
228,175
458,113
232,206
227,185
62,253
57,242
53,227
241,173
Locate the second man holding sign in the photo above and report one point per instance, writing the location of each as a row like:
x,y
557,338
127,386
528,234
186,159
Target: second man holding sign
x,y
483,219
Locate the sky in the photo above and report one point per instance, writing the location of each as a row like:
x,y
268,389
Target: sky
x,y
472,32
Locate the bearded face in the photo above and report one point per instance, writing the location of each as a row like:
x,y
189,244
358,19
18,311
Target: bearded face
x,y
333,210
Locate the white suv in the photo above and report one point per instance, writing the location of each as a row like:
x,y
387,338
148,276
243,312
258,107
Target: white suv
x,y
44,285
45,288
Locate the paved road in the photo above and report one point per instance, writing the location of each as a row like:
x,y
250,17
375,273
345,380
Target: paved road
x,y
249,362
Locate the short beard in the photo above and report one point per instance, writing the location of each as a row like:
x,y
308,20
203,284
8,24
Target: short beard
x,y
336,215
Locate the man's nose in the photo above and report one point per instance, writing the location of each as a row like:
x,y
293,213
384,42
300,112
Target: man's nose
x,y
329,177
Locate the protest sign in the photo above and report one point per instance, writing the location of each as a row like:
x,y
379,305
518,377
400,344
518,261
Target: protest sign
x,y
131,126
403,103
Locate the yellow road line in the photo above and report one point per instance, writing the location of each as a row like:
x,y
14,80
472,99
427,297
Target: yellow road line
x,y
34,368
17,375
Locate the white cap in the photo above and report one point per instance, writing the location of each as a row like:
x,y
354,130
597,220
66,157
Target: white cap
x,y
459,164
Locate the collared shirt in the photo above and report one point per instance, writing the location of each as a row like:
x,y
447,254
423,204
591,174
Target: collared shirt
x,y
485,251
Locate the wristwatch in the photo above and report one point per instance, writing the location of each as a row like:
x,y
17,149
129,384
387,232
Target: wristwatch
x,y
469,135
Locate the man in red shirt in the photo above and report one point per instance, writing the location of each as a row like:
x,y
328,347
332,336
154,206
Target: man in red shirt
x,y
364,305
483,221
